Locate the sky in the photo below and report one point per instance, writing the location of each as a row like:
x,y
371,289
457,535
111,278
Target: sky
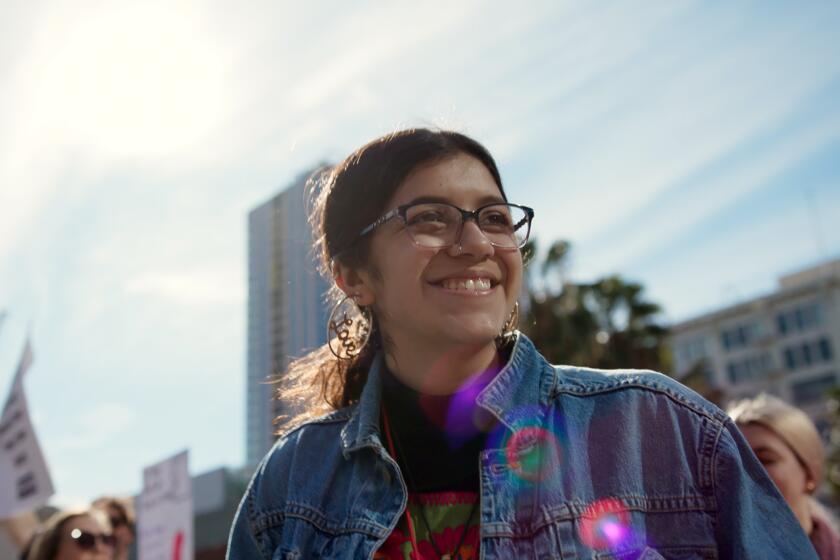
x,y
690,146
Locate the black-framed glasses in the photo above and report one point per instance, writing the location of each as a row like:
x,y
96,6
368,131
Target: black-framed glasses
x,y
435,225
87,540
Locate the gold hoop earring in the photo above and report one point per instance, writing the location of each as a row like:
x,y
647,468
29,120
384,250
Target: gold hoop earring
x,y
348,328
512,322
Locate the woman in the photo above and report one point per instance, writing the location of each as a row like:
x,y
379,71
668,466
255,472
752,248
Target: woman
x,y
787,443
450,436
121,517
74,535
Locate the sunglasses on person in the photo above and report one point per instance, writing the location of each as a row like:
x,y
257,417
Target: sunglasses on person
x,y
120,520
87,541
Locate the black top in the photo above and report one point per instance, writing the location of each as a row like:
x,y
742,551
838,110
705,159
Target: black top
x,y
439,437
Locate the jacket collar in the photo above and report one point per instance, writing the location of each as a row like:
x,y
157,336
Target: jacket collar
x,y
519,395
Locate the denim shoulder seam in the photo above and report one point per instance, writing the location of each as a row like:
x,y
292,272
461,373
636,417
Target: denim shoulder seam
x,y
708,451
714,457
633,383
252,519
340,415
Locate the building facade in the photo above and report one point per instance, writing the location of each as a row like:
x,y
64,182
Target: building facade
x,y
286,311
784,343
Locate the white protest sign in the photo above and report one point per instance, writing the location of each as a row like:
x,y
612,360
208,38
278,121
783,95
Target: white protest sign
x,y
25,482
165,512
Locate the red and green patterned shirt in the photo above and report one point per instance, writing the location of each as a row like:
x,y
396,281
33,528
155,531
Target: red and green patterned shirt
x,y
447,514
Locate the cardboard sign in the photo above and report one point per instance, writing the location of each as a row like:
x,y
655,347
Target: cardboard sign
x,y
165,511
25,482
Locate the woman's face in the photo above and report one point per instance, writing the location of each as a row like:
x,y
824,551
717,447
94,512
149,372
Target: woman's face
x,y
780,462
122,531
415,289
75,535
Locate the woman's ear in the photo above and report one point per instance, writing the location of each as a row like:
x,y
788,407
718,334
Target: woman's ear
x,y
354,283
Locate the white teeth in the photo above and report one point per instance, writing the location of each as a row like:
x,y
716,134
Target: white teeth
x,y
470,284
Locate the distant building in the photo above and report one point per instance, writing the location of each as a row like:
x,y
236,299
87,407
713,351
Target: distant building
x,y
216,496
784,343
286,314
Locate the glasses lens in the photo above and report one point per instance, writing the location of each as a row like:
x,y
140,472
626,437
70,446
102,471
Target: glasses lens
x,y
432,225
505,225
437,225
85,540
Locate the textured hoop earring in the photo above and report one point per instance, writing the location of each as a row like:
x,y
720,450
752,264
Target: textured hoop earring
x,y
348,328
512,322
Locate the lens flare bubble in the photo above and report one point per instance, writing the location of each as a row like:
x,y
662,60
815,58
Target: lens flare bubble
x,y
533,453
605,525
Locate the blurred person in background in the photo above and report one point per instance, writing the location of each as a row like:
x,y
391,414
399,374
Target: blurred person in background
x,y
787,443
74,535
121,515
447,434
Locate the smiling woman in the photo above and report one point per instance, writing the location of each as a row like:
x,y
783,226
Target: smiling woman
x,y
446,434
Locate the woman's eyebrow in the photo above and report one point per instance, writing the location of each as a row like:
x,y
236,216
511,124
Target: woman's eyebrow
x,y
489,199
765,449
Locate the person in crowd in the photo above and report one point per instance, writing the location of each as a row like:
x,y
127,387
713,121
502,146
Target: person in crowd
x,y
74,535
435,429
121,516
788,444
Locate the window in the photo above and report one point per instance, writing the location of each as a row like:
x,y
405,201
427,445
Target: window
x,y
690,351
801,318
790,361
808,353
825,349
739,336
750,368
813,390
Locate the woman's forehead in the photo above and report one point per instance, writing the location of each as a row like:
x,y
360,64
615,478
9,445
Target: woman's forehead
x,y
84,522
760,436
460,180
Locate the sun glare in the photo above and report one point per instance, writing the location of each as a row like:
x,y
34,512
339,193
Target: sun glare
x,y
140,80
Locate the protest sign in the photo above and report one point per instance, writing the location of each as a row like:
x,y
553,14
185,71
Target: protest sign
x,y
25,482
165,512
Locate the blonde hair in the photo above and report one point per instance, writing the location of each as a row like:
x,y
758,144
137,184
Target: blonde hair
x,y
789,423
45,545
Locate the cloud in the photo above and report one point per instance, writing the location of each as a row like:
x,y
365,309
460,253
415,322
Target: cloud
x,y
703,197
625,138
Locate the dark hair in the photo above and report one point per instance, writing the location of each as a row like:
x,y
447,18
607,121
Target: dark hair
x,y
343,201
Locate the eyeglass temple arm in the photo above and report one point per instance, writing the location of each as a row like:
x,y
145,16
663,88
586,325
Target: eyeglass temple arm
x,y
380,221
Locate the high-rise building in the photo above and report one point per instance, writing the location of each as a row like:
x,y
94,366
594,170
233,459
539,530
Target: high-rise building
x,y
286,312
784,343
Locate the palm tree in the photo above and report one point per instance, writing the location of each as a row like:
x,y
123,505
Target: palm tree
x,y
607,323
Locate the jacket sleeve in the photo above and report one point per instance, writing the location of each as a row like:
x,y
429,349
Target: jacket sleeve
x,y
753,520
242,543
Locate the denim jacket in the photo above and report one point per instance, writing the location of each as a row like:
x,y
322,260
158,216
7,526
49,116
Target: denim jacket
x,y
638,467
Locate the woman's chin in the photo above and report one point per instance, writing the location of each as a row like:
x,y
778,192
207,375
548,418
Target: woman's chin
x,y
473,333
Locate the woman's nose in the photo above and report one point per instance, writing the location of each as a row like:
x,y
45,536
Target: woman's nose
x,y
472,241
